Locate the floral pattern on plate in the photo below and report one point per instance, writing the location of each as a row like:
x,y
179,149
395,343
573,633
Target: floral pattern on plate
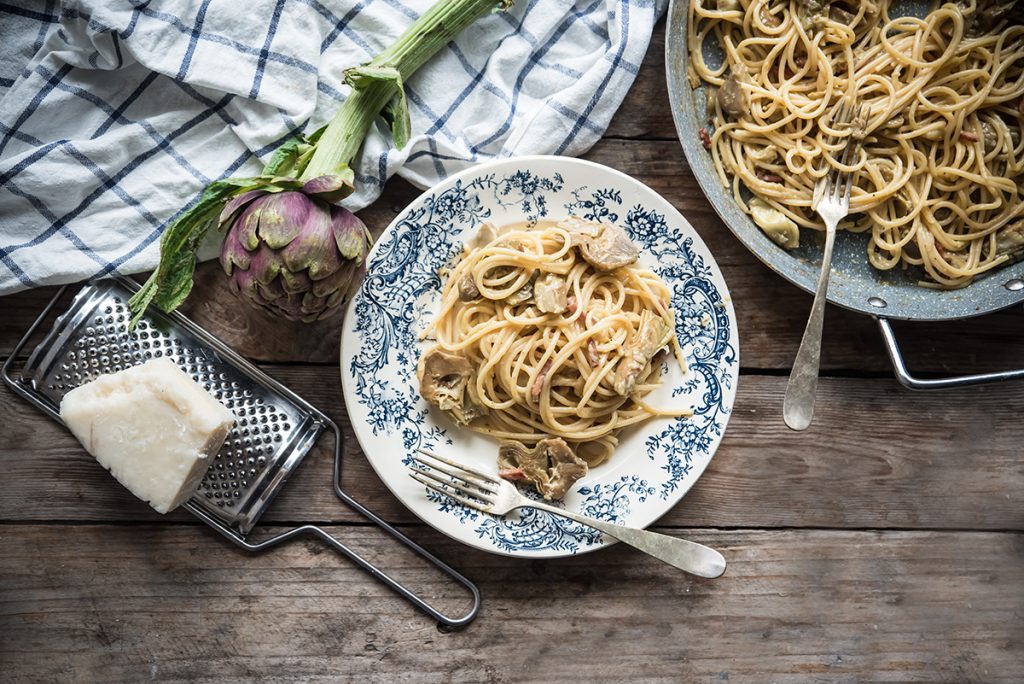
x,y
381,347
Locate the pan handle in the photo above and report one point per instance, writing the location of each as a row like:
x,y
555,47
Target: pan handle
x,y
911,382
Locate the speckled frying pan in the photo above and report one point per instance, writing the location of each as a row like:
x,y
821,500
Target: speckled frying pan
x,y
854,284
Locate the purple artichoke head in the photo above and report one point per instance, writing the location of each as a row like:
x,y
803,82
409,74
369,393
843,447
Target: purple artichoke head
x,y
293,253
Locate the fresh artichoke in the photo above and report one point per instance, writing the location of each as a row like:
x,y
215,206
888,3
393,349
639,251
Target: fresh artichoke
x,y
288,248
291,252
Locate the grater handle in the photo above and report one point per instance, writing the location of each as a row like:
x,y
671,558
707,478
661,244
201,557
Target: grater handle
x,y
409,543
397,586
366,565
341,548
376,572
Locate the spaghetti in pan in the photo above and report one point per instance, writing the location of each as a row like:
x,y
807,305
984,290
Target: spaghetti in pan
x,y
938,176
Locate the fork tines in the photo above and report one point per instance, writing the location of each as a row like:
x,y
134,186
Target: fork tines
x,y
466,485
837,182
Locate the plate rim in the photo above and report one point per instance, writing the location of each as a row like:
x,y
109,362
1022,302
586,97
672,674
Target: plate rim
x,y
348,322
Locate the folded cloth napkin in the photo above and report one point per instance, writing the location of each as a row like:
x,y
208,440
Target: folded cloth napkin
x,y
115,115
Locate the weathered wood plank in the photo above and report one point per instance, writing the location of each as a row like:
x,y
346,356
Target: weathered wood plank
x,y
646,112
876,456
172,603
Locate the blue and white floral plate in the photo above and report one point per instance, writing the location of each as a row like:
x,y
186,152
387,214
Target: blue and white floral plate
x,y
655,463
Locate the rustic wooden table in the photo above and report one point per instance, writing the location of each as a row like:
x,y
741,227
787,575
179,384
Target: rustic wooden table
x,y
885,543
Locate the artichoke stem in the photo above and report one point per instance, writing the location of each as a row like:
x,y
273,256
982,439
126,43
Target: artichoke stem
x,y
438,26
343,137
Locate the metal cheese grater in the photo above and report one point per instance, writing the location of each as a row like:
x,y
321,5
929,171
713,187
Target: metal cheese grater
x,y
274,427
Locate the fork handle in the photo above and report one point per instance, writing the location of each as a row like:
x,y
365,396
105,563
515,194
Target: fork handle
x,y
686,555
798,405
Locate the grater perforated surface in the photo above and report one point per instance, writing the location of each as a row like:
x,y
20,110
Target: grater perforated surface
x,y
271,435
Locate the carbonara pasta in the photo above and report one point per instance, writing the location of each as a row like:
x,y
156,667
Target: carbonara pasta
x,y
548,339
937,179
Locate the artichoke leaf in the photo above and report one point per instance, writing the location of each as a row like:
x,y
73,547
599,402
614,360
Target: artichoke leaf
x,y
281,218
249,221
315,253
170,283
331,187
286,157
178,283
350,234
234,254
264,266
396,112
234,207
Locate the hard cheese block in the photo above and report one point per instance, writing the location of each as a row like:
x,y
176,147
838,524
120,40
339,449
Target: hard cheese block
x,y
152,426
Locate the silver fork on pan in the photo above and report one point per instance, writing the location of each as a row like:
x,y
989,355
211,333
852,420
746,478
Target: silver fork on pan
x,y
832,202
490,494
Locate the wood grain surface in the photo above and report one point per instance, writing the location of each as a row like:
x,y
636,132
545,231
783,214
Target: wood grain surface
x,y
176,603
886,543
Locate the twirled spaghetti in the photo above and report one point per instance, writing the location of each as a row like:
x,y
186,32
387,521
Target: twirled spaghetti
x,y
937,180
557,347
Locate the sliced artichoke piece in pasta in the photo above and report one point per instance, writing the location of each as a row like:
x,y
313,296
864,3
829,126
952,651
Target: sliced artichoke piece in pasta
x,y
552,293
468,291
811,13
776,225
652,334
604,246
551,466
443,378
1010,240
731,97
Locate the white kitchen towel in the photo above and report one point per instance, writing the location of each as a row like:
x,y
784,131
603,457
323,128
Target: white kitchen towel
x,y
115,114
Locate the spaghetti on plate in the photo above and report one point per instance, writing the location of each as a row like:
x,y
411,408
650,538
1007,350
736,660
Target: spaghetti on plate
x,y
548,339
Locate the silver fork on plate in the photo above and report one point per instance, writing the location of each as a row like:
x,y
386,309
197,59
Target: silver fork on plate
x,y
832,202
490,494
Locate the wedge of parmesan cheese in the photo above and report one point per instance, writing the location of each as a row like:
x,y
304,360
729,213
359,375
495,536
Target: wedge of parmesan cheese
x,y
152,426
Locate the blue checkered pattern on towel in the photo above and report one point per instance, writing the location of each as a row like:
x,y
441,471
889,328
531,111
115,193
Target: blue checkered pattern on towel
x,y
115,115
